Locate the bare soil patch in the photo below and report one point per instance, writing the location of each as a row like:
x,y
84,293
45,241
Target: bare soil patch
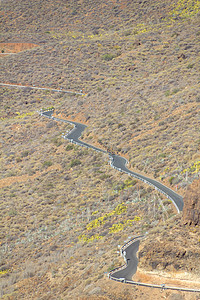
x,y
15,47
178,279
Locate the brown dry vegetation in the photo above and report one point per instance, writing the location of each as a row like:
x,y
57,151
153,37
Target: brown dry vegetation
x,y
138,66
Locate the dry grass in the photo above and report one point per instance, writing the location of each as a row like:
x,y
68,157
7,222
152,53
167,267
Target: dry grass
x,y
142,103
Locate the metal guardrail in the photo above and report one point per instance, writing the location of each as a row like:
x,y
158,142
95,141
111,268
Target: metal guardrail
x,y
131,241
158,286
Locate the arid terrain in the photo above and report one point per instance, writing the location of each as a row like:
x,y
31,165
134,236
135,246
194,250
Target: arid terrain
x,y
64,212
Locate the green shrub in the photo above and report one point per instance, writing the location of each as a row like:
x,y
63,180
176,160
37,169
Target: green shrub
x,y
18,159
161,123
157,117
167,93
47,163
57,141
25,153
190,66
75,162
175,91
12,212
127,33
104,176
69,147
171,180
108,56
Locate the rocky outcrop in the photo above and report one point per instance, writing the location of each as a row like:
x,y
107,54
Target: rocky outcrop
x,y
191,210
171,247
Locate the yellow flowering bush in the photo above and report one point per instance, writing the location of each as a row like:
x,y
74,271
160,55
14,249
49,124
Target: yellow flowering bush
x,y
185,9
84,238
21,116
120,208
121,226
194,168
2,272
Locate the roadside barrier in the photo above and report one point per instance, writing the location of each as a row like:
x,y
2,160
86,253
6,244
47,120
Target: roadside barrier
x,y
157,286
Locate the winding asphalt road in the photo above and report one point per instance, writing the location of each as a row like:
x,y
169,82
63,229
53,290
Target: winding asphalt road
x,y
127,271
129,253
120,163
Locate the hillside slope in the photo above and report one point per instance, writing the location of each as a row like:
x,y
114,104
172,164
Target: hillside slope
x,y
63,209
